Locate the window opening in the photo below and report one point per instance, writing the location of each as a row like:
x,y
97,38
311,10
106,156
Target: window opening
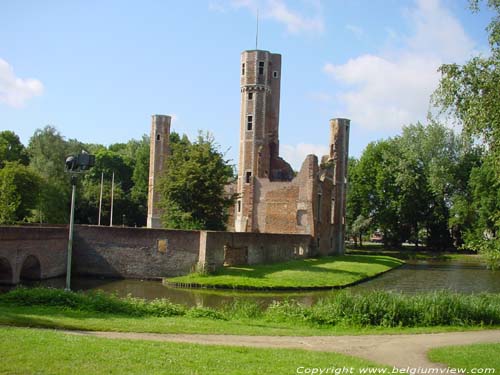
x,y
249,122
261,67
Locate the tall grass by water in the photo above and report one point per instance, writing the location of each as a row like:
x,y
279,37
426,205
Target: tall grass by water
x,y
343,308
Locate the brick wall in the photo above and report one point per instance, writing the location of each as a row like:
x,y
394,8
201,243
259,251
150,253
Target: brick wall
x,y
259,247
134,252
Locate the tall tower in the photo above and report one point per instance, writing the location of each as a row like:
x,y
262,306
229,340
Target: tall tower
x,y
158,153
339,155
259,124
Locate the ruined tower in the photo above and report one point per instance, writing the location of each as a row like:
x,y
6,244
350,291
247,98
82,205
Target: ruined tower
x,y
158,154
259,125
339,155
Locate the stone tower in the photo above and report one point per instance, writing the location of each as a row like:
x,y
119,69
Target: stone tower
x,y
259,125
158,154
339,154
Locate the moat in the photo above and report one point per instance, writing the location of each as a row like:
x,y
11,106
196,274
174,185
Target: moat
x,y
415,276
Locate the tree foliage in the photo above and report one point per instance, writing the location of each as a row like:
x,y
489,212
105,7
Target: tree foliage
x,y
193,186
18,186
470,94
406,185
11,149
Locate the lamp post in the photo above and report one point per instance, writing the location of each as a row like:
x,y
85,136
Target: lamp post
x,y
75,164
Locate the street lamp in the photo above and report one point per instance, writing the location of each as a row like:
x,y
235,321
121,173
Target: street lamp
x,y
75,164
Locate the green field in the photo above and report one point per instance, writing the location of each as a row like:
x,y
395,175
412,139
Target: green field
x,y
477,356
28,351
327,272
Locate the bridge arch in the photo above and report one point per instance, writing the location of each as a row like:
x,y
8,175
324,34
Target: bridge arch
x,y
31,269
6,273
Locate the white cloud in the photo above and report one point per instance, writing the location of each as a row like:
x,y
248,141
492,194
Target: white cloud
x,y
386,91
295,155
277,10
15,91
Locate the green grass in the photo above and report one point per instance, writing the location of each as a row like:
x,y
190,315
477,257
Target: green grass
x,y
410,252
59,318
327,272
341,312
45,352
479,356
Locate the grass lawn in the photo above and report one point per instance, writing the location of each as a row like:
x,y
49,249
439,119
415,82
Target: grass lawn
x,y
328,272
63,318
479,356
42,352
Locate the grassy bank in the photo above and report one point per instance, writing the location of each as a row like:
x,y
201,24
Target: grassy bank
x,y
410,252
340,313
327,272
477,356
56,353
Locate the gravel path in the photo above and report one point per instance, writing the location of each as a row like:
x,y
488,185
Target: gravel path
x,y
401,351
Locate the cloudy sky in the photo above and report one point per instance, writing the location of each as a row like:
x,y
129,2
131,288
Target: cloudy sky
x,y
98,70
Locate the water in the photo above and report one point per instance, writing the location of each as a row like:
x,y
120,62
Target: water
x,y
413,277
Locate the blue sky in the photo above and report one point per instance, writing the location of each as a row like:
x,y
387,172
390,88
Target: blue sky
x,y
98,70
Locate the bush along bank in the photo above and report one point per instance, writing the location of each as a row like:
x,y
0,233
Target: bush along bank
x,y
343,308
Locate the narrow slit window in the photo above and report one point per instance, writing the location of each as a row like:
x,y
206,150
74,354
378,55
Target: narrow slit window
x,y
249,122
250,96
157,137
275,74
243,69
261,67
248,177
239,206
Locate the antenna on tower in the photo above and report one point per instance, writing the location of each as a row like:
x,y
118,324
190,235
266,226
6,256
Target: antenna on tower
x,y
257,33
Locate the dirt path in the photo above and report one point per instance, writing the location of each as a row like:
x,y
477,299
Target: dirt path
x,y
395,350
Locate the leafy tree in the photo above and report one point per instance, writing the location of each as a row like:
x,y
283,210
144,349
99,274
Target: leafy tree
x,y
470,94
140,178
359,227
18,186
193,186
48,150
11,149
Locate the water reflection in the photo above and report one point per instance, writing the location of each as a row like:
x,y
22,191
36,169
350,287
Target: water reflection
x,y
416,276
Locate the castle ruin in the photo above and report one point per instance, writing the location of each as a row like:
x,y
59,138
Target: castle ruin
x,y
271,197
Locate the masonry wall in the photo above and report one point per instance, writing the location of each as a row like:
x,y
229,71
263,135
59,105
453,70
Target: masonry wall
x,y
255,247
134,252
140,252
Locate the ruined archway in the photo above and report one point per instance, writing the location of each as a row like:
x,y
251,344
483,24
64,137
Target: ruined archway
x,y
31,269
6,274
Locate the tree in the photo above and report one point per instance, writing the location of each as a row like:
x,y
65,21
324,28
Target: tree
x,y
193,186
18,186
405,185
359,227
11,149
470,95
48,150
140,178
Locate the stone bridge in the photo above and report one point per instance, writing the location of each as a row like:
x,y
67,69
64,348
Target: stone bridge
x,y
34,254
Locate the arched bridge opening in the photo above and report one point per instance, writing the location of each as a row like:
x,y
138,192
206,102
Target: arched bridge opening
x,y
31,269
6,274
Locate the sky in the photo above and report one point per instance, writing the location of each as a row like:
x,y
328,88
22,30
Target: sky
x,y
97,70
